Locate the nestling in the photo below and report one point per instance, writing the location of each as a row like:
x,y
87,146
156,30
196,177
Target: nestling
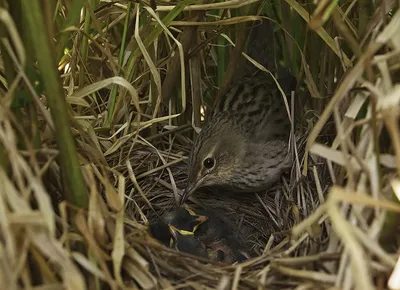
x,y
181,218
185,241
243,146
218,234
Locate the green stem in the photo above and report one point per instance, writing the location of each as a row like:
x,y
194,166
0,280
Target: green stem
x,y
75,188
84,46
114,90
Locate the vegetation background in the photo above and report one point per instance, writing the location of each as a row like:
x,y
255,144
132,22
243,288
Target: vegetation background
x,y
98,104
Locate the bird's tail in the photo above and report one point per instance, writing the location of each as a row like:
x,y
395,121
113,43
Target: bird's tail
x,y
261,48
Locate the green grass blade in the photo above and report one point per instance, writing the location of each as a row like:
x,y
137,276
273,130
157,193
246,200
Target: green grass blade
x,y
75,187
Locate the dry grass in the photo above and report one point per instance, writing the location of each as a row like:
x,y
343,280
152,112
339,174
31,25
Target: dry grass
x,y
332,223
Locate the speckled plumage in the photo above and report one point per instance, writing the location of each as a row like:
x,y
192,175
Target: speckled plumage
x,y
247,136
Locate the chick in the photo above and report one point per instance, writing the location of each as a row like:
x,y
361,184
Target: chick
x,y
218,235
226,251
192,230
186,219
181,218
185,241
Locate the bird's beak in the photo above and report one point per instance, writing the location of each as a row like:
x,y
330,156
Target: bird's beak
x,y
173,230
188,191
202,218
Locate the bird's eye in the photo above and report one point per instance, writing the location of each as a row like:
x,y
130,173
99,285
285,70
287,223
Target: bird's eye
x,y
208,163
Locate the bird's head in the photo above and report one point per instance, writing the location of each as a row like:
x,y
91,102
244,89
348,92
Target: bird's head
x,y
215,154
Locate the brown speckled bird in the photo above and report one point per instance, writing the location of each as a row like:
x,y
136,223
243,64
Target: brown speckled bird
x,y
243,146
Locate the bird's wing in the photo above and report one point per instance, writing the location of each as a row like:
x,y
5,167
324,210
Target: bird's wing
x,y
257,108
252,91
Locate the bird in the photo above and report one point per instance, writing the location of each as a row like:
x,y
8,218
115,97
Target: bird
x,y
192,230
219,236
243,146
185,241
182,218
215,228
223,251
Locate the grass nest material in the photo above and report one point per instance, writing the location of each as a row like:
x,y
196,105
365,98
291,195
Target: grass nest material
x,y
331,223
263,222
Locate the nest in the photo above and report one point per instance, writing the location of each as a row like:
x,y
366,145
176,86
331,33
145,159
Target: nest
x,y
261,220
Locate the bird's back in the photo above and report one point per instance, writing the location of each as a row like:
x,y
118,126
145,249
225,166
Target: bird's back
x,y
256,107
243,144
256,111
